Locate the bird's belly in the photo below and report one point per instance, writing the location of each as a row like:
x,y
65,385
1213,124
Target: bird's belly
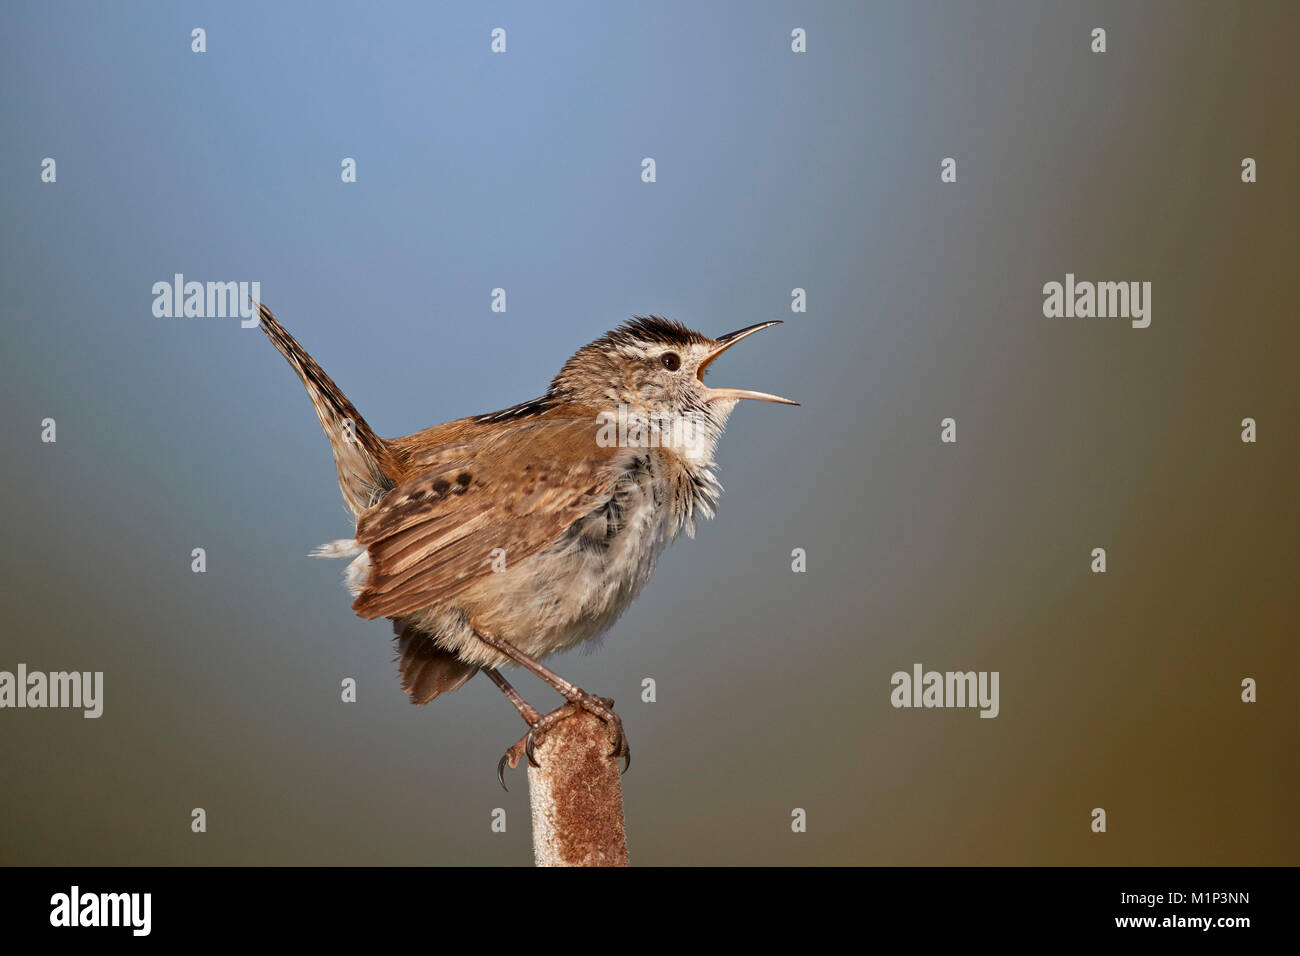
x,y
569,593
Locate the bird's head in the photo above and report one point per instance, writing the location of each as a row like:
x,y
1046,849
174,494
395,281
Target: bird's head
x,y
655,367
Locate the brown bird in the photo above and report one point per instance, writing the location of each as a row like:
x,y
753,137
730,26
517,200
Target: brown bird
x,y
503,538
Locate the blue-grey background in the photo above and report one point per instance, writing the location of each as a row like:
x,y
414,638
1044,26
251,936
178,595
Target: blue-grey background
x,y
775,171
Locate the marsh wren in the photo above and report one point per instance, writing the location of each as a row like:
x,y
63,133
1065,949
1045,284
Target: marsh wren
x,y
502,538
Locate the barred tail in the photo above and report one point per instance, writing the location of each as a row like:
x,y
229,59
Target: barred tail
x,y
359,454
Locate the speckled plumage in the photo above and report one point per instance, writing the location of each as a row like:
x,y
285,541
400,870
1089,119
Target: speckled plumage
x,y
523,524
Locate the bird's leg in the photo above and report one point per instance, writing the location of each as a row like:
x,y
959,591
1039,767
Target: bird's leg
x,y
532,717
602,707
527,711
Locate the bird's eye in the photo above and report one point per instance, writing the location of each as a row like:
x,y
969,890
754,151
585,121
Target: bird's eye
x,y
671,361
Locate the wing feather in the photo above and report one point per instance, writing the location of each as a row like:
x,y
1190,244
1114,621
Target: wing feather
x,y
517,488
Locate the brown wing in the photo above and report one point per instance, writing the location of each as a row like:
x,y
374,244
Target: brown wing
x,y
516,488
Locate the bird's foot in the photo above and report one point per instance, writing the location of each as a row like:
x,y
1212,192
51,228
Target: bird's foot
x,y
523,747
602,707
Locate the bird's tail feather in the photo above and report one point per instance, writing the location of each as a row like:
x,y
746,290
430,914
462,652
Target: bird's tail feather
x,y
359,454
426,669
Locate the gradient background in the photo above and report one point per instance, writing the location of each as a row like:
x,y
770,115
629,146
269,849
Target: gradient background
x,y
775,170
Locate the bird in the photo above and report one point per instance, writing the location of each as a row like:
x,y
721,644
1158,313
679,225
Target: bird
x,y
499,539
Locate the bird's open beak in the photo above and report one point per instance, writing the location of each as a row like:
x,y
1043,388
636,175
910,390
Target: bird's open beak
x,y
726,342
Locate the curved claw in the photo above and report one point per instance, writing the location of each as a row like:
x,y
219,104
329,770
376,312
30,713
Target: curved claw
x,y
621,749
526,745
